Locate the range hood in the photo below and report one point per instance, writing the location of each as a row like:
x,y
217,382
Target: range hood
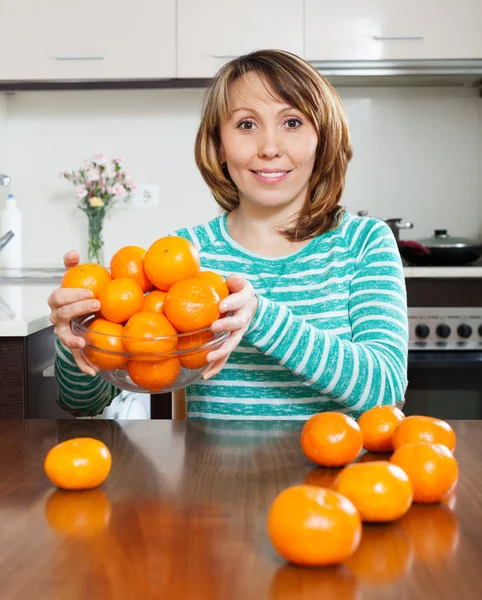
x,y
453,72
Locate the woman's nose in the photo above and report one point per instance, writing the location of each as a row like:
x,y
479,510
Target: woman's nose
x,y
269,145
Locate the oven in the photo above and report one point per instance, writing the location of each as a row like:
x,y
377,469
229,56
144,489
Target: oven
x,y
445,347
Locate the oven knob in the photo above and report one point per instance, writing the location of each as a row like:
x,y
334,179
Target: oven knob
x,y
464,330
422,331
480,330
443,331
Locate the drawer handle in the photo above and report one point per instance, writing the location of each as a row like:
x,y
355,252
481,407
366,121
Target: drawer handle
x,y
382,38
79,57
226,55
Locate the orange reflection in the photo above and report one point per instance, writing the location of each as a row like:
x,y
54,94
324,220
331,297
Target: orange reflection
x,y
384,554
321,477
79,513
294,583
434,531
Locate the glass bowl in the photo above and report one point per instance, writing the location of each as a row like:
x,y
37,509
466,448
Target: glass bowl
x,y
148,370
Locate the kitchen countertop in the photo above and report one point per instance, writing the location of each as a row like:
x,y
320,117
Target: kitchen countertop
x,y
183,515
443,272
24,309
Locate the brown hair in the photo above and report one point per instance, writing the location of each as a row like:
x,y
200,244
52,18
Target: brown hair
x,y
296,82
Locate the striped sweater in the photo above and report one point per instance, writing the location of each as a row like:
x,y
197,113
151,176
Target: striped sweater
x,y
330,332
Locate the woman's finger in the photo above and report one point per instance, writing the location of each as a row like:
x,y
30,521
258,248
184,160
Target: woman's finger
x,y
77,309
62,296
71,259
68,339
234,323
229,345
216,368
83,364
236,283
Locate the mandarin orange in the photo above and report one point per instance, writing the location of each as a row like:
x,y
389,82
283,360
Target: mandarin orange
x,y
216,281
78,464
423,429
120,299
331,439
377,426
154,301
89,276
380,492
106,338
154,376
129,262
431,468
171,259
148,333
191,305
313,526
196,360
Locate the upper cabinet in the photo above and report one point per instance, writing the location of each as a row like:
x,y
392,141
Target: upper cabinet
x,y
211,32
92,39
385,30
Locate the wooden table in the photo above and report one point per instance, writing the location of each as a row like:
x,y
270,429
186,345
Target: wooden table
x,y
183,515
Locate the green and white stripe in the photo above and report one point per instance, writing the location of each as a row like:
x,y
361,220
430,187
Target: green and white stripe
x,y
330,332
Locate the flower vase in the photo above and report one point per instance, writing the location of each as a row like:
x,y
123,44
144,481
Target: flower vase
x,y
96,243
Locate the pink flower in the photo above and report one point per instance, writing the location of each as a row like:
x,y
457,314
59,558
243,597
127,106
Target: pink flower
x,y
92,175
119,191
118,161
100,159
80,191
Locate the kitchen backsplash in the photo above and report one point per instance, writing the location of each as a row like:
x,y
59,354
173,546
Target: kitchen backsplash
x,y
418,155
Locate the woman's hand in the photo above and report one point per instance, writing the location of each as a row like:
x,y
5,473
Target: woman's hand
x,y
67,303
243,304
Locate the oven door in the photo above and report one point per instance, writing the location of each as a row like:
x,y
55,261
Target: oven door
x,y
444,384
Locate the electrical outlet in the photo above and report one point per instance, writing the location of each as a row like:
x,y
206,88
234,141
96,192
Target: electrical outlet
x,y
146,196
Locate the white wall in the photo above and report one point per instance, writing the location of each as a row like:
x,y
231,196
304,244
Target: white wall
x,y
3,144
417,155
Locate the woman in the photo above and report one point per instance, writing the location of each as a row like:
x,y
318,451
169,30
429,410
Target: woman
x,y
318,296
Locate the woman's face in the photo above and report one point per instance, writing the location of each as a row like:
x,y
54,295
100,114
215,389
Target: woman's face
x,y
268,146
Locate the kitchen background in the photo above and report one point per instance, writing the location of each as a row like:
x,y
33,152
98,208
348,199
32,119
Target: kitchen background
x,y
130,84
418,155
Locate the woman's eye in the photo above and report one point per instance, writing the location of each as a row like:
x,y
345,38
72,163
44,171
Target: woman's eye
x,y
293,123
246,125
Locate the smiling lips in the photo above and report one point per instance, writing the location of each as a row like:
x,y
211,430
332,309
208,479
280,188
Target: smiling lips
x,y
271,175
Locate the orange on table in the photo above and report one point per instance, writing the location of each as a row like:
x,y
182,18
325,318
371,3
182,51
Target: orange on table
x,y
129,262
143,330
156,375
154,301
423,429
78,464
80,514
197,360
89,276
171,259
105,336
191,305
384,555
377,426
216,281
381,491
431,468
313,526
331,439
120,299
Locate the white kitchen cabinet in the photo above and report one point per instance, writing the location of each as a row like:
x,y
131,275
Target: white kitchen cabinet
x,y
210,32
392,29
91,39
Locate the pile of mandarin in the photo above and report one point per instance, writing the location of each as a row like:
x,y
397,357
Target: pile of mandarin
x,y
148,301
320,522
